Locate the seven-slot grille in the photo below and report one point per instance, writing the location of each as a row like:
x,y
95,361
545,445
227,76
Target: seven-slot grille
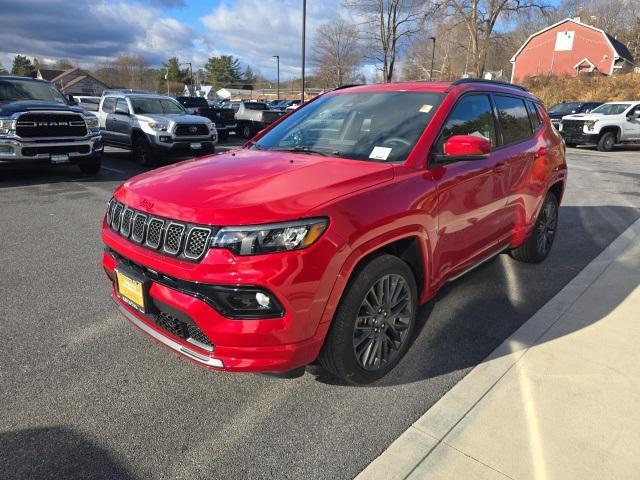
x,y
50,125
191,130
172,238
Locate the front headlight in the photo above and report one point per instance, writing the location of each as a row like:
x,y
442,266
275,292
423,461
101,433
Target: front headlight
x,y
270,238
93,125
7,127
158,126
589,125
560,127
212,126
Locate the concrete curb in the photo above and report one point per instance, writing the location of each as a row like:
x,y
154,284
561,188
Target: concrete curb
x,y
419,441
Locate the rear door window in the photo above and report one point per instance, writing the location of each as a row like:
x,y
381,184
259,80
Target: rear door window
x,y
513,119
122,104
109,105
472,115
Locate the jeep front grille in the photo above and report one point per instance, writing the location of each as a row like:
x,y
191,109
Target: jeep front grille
x,y
183,330
178,239
50,125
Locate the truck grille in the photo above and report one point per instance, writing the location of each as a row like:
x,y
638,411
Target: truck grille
x,y
50,125
572,126
178,328
192,130
186,241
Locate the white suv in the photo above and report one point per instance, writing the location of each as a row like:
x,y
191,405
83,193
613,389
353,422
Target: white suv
x,y
605,126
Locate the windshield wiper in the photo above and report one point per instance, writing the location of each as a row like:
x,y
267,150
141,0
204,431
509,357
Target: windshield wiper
x,y
323,151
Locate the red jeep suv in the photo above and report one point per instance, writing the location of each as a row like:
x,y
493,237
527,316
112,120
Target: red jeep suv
x,y
319,239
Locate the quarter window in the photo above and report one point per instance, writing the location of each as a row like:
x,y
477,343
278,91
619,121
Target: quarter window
x,y
472,115
534,116
109,105
514,119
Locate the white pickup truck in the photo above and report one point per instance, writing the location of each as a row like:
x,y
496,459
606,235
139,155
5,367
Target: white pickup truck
x,y
609,124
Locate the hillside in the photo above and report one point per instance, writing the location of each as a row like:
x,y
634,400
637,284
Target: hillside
x,y
552,90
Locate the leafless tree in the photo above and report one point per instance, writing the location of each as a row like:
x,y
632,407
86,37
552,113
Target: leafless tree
x,y
386,27
480,18
336,53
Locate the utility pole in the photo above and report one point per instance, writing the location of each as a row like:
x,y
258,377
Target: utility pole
x,y
277,57
433,54
304,28
193,91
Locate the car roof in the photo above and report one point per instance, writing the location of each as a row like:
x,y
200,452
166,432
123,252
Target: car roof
x,y
623,102
16,77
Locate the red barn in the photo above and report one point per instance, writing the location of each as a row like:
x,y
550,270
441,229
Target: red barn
x,y
570,47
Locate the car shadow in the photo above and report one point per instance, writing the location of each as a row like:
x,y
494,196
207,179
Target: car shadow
x,y
56,453
472,316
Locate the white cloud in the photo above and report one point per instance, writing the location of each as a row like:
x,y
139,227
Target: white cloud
x,y
254,30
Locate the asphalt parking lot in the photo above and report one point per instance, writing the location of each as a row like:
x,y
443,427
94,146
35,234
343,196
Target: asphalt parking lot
x,y
85,395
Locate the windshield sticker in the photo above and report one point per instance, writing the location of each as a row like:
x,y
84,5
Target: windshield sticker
x,y
426,108
380,153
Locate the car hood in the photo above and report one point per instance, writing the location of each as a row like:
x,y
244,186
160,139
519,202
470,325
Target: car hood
x,y
164,118
586,116
7,109
248,186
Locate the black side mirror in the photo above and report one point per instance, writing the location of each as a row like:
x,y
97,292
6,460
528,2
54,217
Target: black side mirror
x,y
72,101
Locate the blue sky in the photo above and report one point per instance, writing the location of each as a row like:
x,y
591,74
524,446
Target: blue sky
x,y
90,31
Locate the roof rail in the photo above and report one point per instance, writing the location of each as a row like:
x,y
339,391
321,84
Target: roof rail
x,y
462,81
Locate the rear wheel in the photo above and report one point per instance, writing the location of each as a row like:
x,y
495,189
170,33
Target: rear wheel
x,y
91,167
373,325
606,142
142,154
247,130
539,243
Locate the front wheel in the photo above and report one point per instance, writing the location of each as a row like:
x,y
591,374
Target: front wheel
x,y
539,243
142,154
606,142
374,322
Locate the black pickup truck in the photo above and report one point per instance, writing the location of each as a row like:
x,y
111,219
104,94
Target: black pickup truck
x,y
224,118
37,125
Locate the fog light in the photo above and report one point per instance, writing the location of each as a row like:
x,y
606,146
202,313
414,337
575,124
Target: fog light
x,y
263,300
241,302
7,150
165,139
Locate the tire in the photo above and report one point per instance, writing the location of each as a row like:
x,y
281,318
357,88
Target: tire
x,y
606,142
247,130
539,243
355,347
142,153
91,167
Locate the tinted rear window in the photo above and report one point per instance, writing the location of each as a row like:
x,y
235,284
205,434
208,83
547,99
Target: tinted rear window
x,y
256,106
192,102
514,119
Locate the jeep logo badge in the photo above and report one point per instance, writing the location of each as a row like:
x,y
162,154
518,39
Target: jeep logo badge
x,y
193,129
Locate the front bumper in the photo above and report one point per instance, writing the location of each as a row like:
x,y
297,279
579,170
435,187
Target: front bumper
x,y
17,152
580,138
181,145
256,345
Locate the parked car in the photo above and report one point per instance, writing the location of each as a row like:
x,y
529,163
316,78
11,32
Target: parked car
x,y
224,118
89,104
153,126
559,110
292,105
37,125
252,117
321,244
605,126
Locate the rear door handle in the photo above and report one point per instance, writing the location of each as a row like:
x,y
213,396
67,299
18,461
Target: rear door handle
x,y
499,167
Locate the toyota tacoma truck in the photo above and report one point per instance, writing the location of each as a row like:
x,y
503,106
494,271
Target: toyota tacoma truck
x,y
252,117
609,124
314,243
224,118
38,126
153,126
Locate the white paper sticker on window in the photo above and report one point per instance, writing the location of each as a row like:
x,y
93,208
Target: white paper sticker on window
x,y
426,108
380,153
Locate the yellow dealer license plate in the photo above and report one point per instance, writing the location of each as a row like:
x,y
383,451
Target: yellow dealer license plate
x,y
131,290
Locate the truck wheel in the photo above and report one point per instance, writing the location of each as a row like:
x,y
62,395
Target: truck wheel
x,y
247,130
91,167
606,142
539,243
373,324
142,154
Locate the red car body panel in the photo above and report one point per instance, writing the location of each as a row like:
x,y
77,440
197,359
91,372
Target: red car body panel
x,y
458,213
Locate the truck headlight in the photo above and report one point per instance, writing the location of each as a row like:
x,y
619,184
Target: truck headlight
x,y
560,127
270,238
7,127
158,126
589,125
212,126
93,125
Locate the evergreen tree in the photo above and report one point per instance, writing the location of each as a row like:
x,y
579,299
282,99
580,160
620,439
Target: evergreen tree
x,y
223,71
248,76
173,73
22,66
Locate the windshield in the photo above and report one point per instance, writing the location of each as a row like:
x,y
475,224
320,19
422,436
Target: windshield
x,y
16,90
362,126
191,102
565,108
156,105
611,108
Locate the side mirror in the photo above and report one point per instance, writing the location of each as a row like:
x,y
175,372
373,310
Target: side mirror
x,y
466,147
72,101
636,114
121,111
